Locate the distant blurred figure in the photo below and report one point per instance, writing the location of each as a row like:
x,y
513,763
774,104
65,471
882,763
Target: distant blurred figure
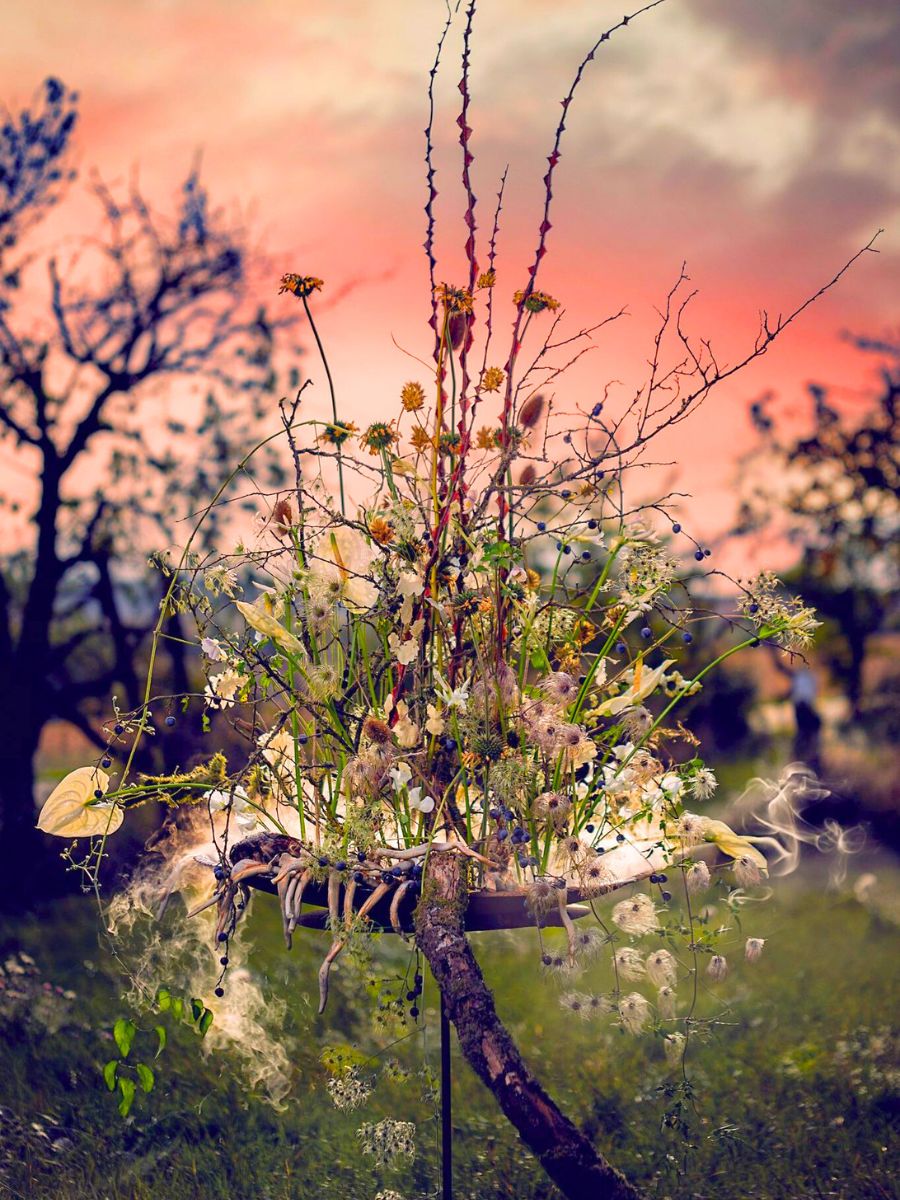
x,y
804,688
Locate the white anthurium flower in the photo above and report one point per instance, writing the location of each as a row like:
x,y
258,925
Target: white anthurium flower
x,y
346,552
400,775
73,809
422,804
642,684
263,622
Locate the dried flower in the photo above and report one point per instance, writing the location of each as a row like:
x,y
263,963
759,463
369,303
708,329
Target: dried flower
x,y
661,968
388,1140
530,412
535,302
337,432
454,300
348,1091
718,968
378,437
634,1012
673,1046
636,916
300,285
746,871
665,1002
629,963
753,949
492,379
421,440
696,877
412,396
552,807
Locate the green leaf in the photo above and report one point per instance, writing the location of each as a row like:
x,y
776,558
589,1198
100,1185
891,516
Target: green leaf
x,y
123,1032
178,1007
109,1073
163,1037
146,1078
205,1021
197,1009
126,1087
163,999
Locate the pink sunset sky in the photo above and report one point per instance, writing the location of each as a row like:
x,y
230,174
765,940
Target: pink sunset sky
x,y
757,140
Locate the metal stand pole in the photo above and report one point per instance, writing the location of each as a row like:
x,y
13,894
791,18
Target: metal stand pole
x,y
446,1109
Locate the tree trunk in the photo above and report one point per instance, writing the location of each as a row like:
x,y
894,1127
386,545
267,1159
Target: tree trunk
x,y
32,869
567,1156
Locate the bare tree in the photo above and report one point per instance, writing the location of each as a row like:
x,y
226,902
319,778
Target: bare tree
x,y
111,460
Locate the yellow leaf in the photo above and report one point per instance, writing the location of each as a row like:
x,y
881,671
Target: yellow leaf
x,y
73,810
266,624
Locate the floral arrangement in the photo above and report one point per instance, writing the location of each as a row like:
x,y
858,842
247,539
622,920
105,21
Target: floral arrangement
x,y
453,635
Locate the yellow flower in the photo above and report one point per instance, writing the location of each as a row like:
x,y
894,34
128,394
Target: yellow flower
x,y
300,285
455,300
75,809
492,379
486,438
381,531
536,302
422,440
412,396
487,279
379,436
337,433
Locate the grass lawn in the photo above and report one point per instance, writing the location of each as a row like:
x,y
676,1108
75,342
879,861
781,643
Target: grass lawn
x,y
795,1090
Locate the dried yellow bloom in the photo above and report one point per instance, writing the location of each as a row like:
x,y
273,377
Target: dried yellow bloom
x,y
379,436
487,279
422,440
335,434
486,438
381,531
455,300
492,379
536,302
412,396
300,285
